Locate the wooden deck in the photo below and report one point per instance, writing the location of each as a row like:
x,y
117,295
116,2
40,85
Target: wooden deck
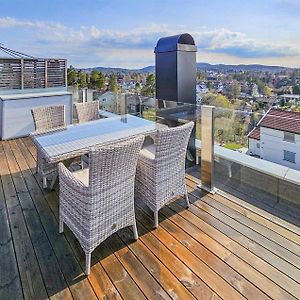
x,y
220,248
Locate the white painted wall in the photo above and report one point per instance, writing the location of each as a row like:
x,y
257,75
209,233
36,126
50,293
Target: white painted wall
x,y
90,95
253,149
16,118
273,145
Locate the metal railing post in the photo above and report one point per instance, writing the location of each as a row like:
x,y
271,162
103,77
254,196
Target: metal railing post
x,y
207,148
46,73
66,73
22,73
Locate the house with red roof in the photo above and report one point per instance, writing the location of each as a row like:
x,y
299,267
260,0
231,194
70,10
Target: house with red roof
x,y
276,138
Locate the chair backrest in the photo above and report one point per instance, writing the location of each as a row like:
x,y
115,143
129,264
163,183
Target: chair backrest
x,y
47,118
87,111
171,145
113,167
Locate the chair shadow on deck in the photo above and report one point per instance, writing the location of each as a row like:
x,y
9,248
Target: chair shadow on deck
x,y
121,242
56,261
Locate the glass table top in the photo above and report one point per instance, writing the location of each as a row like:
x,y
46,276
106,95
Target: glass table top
x,y
82,136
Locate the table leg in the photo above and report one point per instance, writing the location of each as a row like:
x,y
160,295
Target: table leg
x,y
54,178
67,163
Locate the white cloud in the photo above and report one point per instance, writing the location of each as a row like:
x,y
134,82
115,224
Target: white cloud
x,y
11,22
92,44
238,44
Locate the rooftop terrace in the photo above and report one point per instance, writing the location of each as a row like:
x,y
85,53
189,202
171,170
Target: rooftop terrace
x,y
222,247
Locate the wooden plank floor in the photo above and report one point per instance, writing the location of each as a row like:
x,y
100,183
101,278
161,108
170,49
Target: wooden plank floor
x,y
219,248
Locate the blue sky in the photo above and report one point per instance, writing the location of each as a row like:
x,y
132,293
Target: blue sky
x,y
123,33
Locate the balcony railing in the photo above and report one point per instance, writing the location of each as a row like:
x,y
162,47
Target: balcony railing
x,y
241,172
233,168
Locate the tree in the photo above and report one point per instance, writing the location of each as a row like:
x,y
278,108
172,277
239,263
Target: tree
x,y
72,76
101,81
136,77
217,100
263,88
112,84
137,87
93,78
235,90
82,79
149,88
296,89
97,80
267,91
200,75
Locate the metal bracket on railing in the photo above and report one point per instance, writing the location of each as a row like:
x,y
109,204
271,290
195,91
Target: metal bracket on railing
x,y
207,148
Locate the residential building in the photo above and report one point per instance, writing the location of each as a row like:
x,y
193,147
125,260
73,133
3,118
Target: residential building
x,y
290,98
201,89
133,104
276,138
107,101
254,90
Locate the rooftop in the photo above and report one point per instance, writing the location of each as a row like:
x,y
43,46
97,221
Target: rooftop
x,y
221,247
278,119
293,96
255,134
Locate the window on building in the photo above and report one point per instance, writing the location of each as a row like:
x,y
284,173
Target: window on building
x,y
289,137
257,145
289,156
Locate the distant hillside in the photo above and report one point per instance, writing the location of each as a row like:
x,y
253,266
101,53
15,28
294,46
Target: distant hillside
x,y
200,67
238,68
149,69
108,70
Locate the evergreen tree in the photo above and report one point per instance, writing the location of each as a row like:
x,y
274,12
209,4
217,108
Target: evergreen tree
x,y
82,79
149,88
113,85
97,80
101,81
296,90
72,76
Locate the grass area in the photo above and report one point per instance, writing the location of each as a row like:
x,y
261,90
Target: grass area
x,y
233,146
149,114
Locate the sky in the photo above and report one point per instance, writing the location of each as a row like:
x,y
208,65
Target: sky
x,y
123,33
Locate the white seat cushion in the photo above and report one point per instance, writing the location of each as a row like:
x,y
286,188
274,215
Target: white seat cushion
x,y
148,152
82,175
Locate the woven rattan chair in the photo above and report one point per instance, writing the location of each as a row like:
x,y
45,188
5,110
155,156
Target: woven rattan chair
x,y
161,168
87,111
97,201
47,119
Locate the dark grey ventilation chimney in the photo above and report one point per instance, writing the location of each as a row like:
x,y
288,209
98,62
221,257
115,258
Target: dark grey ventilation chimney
x,y
175,67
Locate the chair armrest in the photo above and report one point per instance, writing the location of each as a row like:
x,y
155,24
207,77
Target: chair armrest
x,y
66,176
74,196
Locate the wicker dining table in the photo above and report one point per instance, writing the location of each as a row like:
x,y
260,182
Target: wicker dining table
x,y
76,140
